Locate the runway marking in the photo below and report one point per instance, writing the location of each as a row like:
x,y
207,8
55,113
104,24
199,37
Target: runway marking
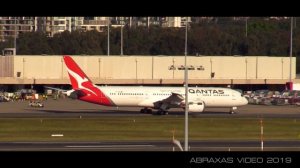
x,y
109,146
245,147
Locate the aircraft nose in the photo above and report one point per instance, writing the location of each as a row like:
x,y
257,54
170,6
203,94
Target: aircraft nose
x,y
244,101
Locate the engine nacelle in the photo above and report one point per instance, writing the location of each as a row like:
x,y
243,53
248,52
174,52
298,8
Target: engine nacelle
x,y
75,94
196,106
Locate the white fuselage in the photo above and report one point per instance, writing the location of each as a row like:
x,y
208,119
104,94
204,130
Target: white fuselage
x,y
142,96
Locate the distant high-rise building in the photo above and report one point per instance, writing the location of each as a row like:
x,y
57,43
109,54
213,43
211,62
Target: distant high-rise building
x,y
202,19
76,22
93,23
175,21
172,22
116,21
56,25
13,26
147,21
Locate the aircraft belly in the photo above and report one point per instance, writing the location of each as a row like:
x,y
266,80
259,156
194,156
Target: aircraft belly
x,y
219,103
126,101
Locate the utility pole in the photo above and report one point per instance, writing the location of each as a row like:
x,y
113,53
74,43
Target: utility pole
x,y
186,125
291,49
15,39
121,39
261,135
107,36
130,21
246,27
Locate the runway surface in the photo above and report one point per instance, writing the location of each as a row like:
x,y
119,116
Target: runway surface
x,y
75,108
151,146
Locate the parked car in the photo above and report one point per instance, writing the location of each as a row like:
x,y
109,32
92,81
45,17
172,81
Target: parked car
x,y
35,104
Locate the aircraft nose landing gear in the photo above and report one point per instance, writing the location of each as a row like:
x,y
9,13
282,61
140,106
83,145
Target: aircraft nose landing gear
x,y
232,110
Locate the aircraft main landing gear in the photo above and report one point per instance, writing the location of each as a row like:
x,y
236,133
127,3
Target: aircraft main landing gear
x,y
146,110
162,112
232,110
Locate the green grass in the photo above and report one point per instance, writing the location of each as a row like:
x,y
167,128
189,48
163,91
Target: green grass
x,y
145,128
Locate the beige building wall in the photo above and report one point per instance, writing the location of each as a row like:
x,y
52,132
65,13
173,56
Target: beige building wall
x,y
38,67
89,64
250,67
202,63
118,67
202,68
145,68
6,66
276,68
160,67
228,67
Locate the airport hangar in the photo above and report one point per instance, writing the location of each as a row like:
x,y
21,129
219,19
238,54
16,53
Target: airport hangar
x,y
240,72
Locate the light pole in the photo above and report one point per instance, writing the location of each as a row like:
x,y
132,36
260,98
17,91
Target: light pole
x,y
23,67
136,70
107,36
262,134
211,67
121,39
291,49
256,72
281,68
62,68
186,93
246,26
173,67
99,61
15,39
246,61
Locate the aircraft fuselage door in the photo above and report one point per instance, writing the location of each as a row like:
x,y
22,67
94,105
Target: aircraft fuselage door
x,y
233,95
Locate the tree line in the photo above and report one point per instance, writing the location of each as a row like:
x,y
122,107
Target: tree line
x,y
222,37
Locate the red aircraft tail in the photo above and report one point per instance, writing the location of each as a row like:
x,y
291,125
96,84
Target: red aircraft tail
x,y
80,82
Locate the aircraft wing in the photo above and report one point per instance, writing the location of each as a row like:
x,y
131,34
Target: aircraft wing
x,y
175,100
55,88
70,93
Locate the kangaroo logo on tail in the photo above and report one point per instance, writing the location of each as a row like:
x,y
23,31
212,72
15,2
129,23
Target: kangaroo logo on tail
x,y
80,81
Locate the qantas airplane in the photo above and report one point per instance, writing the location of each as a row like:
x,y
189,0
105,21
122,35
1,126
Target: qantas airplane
x,y
160,98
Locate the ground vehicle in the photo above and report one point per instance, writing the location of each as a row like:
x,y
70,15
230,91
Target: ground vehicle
x,y
35,104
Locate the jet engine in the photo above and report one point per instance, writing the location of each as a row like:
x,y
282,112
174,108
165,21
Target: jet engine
x,y
196,106
75,94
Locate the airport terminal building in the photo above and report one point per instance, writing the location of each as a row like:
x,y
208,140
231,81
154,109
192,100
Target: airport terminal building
x,y
240,71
